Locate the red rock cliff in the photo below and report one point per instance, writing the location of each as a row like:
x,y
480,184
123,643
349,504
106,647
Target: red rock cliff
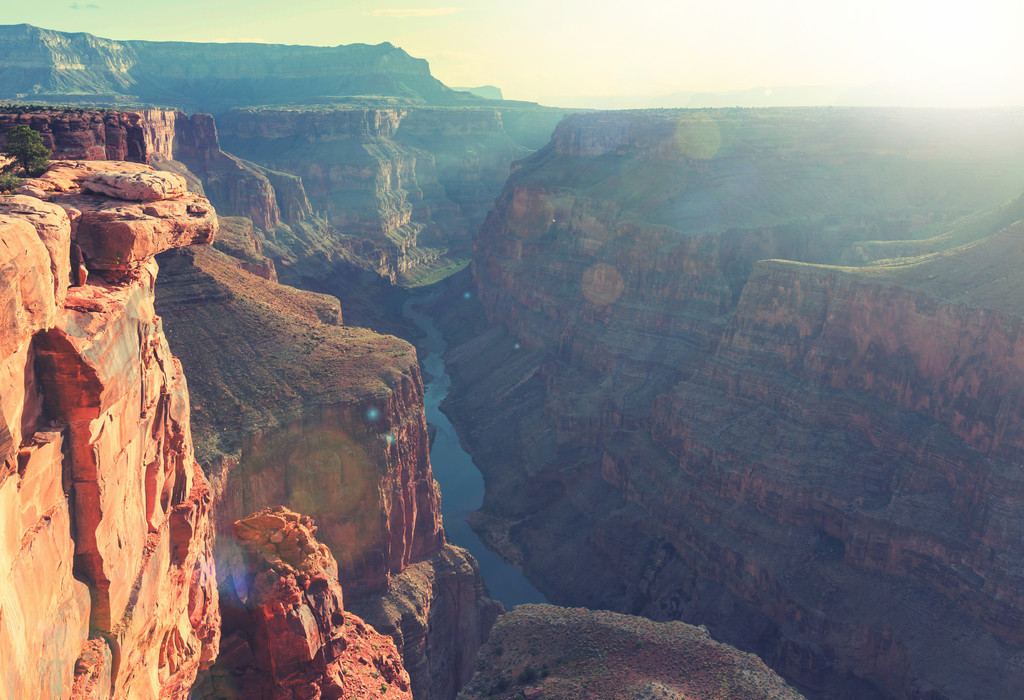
x,y
287,633
163,137
106,554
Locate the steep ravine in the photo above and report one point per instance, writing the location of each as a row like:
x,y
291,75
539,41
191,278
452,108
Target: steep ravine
x,y
461,483
296,409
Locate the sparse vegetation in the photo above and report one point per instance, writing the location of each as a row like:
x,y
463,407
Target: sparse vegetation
x,y
9,182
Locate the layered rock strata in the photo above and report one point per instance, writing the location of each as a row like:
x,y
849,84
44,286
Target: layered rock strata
x,y
405,188
807,460
540,651
61,67
287,633
109,583
172,141
438,613
306,412
292,407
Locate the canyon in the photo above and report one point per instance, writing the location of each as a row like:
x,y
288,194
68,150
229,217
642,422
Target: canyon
x,y
74,376
288,406
816,462
752,370
399,169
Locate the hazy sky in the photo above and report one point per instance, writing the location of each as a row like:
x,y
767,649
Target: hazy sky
x,y
537,49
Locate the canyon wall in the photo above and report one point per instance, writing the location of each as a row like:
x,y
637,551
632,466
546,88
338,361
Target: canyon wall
x,y
79,68
399,191
109,580
439,615
814,462
404,189
169,140
294,408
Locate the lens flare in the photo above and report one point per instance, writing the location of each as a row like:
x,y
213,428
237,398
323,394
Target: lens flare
x,y
698,137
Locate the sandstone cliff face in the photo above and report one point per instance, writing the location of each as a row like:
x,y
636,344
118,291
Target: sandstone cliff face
x,y
171,141
816,465
106,553
384,194
540,651
309,413
84,134
287,633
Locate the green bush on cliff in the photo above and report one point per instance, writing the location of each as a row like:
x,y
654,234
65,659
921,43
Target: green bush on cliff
x,y
8,183
25,147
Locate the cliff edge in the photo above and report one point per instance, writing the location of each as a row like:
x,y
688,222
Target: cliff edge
x,y
108,578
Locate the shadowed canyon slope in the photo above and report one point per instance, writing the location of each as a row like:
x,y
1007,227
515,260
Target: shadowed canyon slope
x,y
107,571
818,463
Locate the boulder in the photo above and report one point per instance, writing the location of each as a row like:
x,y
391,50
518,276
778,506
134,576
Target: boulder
x,y
136,186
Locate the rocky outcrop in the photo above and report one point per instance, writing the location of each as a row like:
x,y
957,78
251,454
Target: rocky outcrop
x,y
439,615
136,187
106,552
171,141
125,233
791,455
541,651
287,633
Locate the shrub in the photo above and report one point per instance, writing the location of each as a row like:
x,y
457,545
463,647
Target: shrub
x,y
26,147
8,182
528,675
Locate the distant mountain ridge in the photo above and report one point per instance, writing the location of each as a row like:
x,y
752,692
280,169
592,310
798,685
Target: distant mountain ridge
x,y
43,65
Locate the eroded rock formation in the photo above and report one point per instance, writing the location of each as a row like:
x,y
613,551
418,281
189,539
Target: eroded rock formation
x,y
293,407
439,615
815,462
305,412
108,582
403,188
287,633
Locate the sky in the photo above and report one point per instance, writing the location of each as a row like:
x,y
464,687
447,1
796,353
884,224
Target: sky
x,y
968,53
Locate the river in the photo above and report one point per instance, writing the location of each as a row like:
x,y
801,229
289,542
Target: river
x,y
462,485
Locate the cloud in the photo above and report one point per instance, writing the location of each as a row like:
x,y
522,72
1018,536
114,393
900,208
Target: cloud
x,y
416,12
80,6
